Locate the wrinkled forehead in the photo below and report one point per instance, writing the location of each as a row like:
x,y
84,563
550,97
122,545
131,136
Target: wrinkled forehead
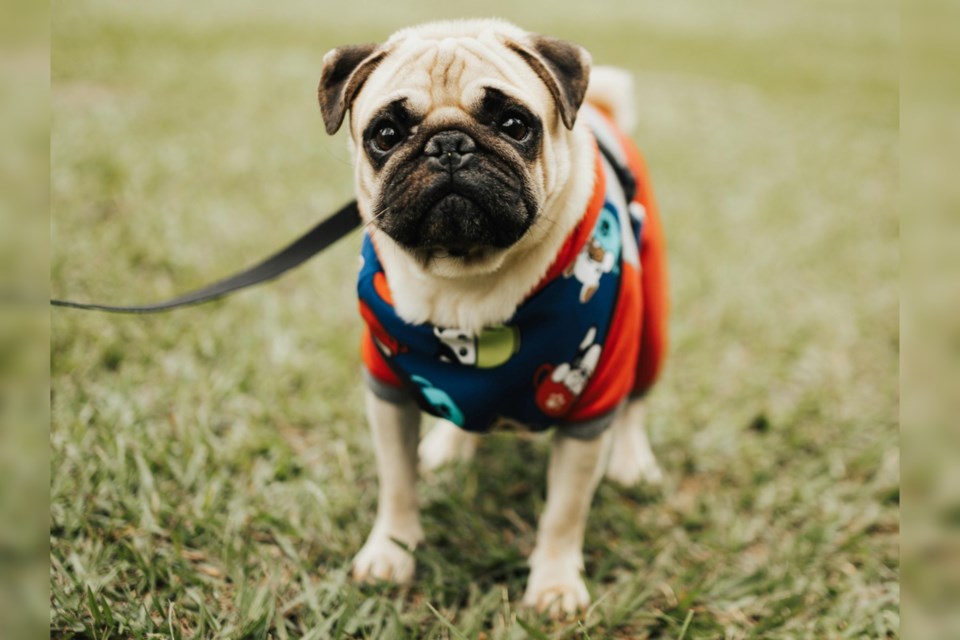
x,y
448,75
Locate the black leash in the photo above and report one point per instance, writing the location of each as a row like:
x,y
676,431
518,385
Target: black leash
x,y
306,246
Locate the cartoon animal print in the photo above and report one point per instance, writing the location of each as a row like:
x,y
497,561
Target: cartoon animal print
x,y
607,234
600,255
492,348
441,402
559,386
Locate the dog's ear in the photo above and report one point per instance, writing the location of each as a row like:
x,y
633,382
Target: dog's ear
x,y
563,66
345,69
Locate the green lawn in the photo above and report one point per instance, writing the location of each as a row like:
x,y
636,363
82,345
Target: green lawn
x,y
211,470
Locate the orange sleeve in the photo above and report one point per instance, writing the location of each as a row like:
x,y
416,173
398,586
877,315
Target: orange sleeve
x,y
654,281
374,362
656,295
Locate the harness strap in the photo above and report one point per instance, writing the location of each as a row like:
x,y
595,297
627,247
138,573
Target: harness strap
x,y
306,246
624,176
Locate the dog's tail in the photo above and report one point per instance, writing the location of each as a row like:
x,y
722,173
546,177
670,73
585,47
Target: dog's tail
x,y
611,91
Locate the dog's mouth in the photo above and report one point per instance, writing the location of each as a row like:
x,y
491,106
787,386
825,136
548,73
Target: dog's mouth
x,y
453,223
455,226
455,232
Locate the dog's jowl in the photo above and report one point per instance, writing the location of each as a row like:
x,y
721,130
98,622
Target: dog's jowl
x,y
513,272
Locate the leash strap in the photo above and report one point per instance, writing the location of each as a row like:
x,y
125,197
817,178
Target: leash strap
x,y
303,248
306,246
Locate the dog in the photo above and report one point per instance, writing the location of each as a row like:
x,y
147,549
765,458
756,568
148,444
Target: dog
x,y
512,272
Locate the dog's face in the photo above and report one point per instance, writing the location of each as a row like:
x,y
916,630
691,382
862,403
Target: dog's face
x,y
460,133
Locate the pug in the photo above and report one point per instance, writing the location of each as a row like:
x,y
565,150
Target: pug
x,y
489,163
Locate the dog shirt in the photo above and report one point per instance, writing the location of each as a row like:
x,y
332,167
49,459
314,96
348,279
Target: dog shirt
x,y
590,334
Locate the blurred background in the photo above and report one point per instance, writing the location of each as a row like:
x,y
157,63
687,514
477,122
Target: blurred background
x,y
24,320
210,470
930,296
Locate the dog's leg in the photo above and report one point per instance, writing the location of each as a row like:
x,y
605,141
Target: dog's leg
x,y
631,459
446,442
555,584
395,430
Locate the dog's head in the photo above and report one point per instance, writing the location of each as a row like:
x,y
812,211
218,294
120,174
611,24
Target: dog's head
x,y
460,133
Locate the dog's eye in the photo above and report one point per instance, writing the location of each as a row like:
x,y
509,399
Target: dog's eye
x,y
514,126
387,137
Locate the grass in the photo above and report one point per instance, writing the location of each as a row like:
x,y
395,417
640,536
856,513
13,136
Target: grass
x,y
211,473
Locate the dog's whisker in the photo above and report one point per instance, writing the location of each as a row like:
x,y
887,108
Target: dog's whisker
x,y
376,217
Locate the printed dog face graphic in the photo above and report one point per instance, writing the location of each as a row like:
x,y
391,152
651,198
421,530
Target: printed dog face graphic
x,y
493,347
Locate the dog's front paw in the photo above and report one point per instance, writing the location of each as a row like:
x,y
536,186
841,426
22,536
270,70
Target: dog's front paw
x,y
556,587
383,559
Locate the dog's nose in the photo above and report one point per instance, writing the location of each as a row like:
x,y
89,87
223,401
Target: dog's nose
x,y
450,150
